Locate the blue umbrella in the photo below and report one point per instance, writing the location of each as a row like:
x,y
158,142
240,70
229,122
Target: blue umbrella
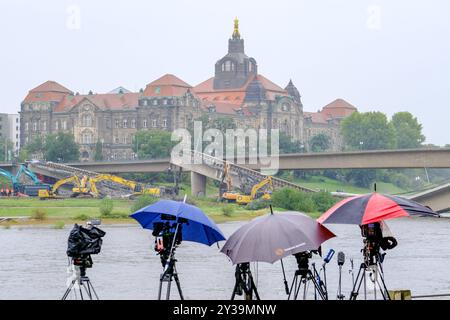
x,y
199,228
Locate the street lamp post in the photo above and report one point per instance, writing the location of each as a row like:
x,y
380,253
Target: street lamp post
x,y
361,143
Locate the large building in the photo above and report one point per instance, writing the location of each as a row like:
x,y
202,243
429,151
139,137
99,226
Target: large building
x,y
236,90
10,131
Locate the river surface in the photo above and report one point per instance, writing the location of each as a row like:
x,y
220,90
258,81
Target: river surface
x,y
33,263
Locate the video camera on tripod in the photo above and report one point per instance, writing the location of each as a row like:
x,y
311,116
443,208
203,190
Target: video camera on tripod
x,y
83,242
374,241
168,236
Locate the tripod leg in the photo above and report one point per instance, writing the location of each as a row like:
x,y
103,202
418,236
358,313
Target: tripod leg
x,y
293,286
93,290
319,289
88,290
168,287
255,290
160,287
177,281
81,292
68,290
357,286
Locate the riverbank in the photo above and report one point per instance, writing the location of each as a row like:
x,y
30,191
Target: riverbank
x,y
56,213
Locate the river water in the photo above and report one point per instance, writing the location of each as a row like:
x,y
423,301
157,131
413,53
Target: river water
x,y
33,263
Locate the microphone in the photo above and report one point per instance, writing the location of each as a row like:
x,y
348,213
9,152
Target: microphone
x,y
329,256
341,258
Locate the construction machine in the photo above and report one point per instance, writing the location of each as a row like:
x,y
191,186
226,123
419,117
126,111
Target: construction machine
x,y
52,194
256,192
21,188
229,195
86,188
136,188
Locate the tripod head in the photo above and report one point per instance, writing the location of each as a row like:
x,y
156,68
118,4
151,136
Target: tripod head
x,y
303,261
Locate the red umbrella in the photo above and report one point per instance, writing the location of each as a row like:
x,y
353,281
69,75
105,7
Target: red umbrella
x,y
372,208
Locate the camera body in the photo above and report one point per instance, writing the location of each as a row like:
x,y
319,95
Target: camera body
x,y
303,261
164,233
83,242
374,241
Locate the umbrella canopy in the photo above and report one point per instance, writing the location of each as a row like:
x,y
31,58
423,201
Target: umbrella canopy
x,y
373,207
272,237
199,227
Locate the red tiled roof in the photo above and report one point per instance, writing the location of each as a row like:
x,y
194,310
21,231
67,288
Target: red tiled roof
x,y
339,108
106,101
167,85
51,86
316,117
206,91
47,91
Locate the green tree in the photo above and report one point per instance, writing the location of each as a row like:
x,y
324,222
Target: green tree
x,y
35,147
286,145
98,155
408,130
153,144
61,147
320,142
368,131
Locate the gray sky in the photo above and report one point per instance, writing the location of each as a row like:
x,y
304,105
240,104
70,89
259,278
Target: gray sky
x,y
378,55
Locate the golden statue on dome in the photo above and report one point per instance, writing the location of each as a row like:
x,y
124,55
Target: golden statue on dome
x,y
236,34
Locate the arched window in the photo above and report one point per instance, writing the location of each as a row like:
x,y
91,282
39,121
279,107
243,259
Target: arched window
x,y
228,66
86,120
86,137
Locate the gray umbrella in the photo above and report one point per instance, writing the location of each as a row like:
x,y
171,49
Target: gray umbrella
x,y
272,237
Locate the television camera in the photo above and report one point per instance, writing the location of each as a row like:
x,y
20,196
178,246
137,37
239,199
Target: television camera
x,y
168,236
374,241
82,242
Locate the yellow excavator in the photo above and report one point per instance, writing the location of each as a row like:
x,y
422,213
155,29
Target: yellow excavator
x,y
79,188
136,188
229,195
245,199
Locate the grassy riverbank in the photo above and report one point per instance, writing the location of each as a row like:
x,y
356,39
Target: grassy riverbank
x,y
67,211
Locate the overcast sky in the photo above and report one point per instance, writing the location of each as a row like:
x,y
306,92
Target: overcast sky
x,y
378,55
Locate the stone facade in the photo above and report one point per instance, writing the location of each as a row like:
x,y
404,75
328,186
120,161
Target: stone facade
x,y
236,91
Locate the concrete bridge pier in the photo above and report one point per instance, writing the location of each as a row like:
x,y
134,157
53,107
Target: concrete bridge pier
x,y
198,184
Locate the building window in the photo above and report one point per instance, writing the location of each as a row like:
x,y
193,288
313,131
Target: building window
x,y
56,125
144,123
155,102
44,125
86,138
26,126
86,121
154,123
228,66
17,120
64,125
165,102
125,123
144,102
164,123
133,123
35,126
116,140
116,124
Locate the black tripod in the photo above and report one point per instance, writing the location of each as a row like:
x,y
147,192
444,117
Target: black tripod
x,y
80,280
303,277
170,270
373,265
170,274
244,282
